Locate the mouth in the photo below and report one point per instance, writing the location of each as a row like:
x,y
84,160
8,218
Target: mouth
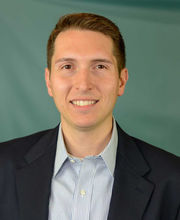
x,y
83,102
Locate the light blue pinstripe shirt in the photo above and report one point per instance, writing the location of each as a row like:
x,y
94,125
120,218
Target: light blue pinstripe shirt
x,y
81,188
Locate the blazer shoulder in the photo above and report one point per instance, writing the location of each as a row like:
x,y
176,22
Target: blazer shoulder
x,y
158,159
19,146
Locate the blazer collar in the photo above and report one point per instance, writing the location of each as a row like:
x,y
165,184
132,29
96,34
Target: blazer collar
x,y
129,151
33,177
131,191
45,144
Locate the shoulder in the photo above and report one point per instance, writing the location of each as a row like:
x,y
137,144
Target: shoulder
x,y
154,156
161,162
19,146
161,165
155,153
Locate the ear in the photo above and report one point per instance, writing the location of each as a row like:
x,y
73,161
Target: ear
x,y
48,81
122,81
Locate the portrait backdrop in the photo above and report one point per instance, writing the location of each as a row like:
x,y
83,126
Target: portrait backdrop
x,y
150,107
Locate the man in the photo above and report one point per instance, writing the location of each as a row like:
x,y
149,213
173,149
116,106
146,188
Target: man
x,y
87,167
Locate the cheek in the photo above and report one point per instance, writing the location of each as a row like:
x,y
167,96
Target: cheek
x,y
59,87
112,86
59,91
110,94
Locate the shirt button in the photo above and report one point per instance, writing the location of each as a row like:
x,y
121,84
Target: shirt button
x,y
83,192
72,161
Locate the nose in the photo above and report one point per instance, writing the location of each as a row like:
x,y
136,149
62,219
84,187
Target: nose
x,y
84,80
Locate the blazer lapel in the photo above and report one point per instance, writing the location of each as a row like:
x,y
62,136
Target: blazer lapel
x,y
33,178
131,191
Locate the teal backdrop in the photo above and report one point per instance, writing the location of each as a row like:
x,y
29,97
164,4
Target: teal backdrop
x,y
150,107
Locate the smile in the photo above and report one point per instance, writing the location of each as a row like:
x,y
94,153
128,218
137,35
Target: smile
x,y
84,102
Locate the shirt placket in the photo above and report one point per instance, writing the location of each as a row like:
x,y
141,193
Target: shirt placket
x,y
83,190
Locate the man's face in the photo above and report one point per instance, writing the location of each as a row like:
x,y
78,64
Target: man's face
x,y
84,79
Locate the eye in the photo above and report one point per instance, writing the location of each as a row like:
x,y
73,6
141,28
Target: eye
x,y
101,66
67,66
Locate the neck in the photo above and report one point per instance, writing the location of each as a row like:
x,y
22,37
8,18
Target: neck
x,y
86,142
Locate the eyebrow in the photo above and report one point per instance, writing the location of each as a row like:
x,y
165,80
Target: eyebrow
x,y
63,59
102,61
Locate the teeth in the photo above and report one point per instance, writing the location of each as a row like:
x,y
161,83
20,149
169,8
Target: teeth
x,y
82,103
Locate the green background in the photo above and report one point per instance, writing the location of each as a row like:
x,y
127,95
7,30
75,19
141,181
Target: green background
x,y
150,107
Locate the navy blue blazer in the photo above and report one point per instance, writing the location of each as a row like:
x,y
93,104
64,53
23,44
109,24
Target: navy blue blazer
x,y
146,179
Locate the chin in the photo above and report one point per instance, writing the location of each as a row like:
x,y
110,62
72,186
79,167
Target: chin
x,y
84,124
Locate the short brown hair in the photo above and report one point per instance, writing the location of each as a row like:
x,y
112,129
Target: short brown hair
x,y
93,22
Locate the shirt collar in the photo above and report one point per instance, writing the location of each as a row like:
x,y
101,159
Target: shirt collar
x,y
108,154
61,152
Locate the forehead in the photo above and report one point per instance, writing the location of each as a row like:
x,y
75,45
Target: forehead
x,y
83,43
